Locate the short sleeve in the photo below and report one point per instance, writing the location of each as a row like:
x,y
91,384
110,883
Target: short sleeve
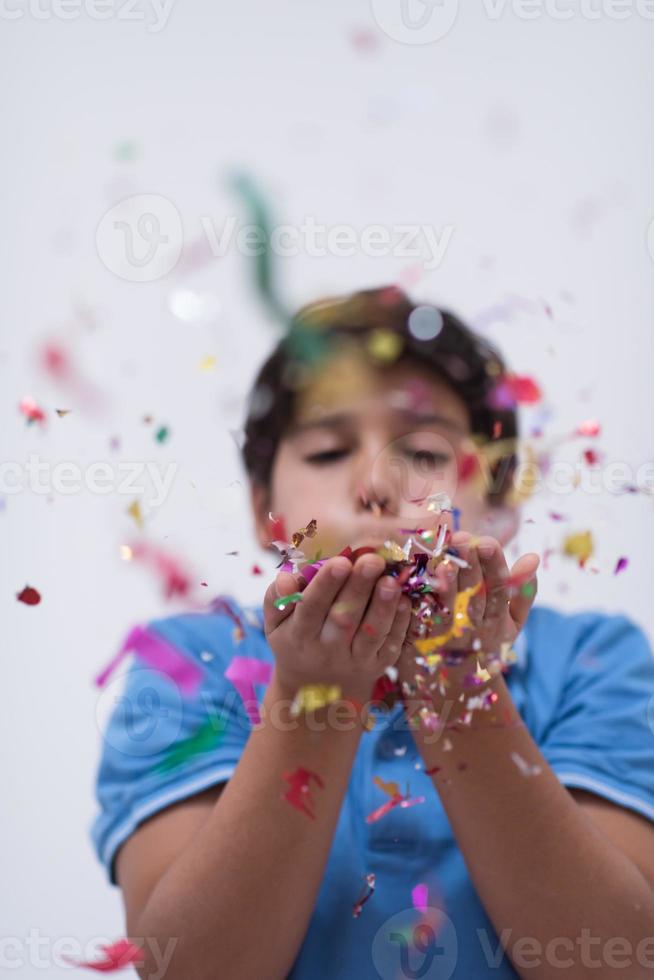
x,y
160,745
601,738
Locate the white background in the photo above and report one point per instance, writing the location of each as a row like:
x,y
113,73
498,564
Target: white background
x,y
532,139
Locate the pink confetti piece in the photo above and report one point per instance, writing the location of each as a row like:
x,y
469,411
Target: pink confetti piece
x,y
396,800
370,888
244,673
160,655
420,898
621,564
116,957
591,427
298,794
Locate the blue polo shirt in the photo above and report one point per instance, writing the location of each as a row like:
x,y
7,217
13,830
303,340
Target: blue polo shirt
x,y
583,684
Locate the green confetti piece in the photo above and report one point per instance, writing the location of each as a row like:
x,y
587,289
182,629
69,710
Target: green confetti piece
x,y
528,589
265,279
162,434
207,737
286,600
126,151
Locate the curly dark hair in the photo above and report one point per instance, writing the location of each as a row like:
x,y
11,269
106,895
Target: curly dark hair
x,y
469,364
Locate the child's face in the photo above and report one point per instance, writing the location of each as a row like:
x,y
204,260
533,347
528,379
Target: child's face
x,y
390,437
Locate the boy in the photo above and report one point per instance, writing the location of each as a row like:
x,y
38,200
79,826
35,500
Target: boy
x,y
480,821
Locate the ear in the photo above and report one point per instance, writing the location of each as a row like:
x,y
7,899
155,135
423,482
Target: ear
x,y
501,521
260,504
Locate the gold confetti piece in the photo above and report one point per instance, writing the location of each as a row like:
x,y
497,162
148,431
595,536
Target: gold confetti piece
x,y
482,673
208,363
62,411
384,345
126,552
310,697
579,546
461,623
134,511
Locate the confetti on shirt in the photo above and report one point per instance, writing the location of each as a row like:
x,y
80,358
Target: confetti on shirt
x,y
207,738
244,673
159,655
420,898
369,890
298,793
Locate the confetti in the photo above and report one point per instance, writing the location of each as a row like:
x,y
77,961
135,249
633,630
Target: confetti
x,y
264,277
208,363
244,673
159,655
589,428
396,800
29,595
310,697
62,412
525,768
425,322
207,738
255,570
161,435
370,887
620,566
579,546
134,511
32,412
298,792
176,581
420,898
116,957
515,390
282,601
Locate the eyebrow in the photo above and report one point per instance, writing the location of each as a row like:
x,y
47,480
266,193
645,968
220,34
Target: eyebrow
x,y
341,420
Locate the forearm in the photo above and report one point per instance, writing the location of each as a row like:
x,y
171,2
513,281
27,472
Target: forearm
x,y
540,865
240,897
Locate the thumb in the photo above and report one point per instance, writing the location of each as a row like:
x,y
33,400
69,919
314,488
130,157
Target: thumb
x,y
524,586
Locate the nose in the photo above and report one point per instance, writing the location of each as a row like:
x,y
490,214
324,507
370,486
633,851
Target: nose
x,y
375,483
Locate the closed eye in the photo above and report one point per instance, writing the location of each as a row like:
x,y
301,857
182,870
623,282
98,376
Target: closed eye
x,y
432,459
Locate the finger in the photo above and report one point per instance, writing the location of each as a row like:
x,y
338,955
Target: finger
x,y
496,578
319,596
446,586
393,645
355,595
525,587
378,617
285,583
